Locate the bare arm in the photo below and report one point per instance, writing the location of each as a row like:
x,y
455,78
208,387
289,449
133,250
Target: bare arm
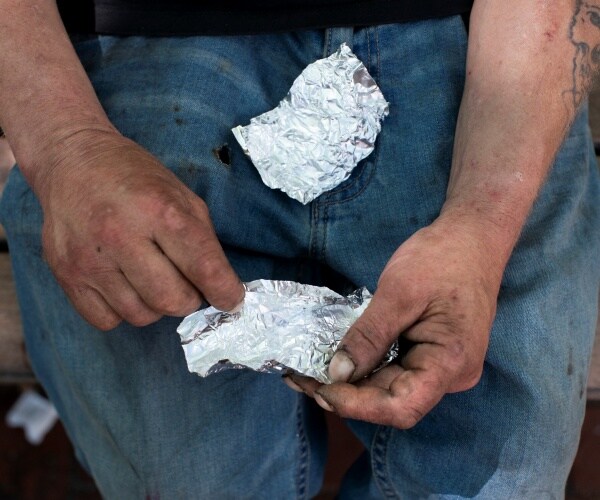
x,y
525,81
45,95
129,243
527,72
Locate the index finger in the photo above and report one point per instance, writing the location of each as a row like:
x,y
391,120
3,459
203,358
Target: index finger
x,y
192,245
393,396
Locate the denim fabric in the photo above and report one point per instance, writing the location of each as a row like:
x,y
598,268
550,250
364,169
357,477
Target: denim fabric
x,y
145,427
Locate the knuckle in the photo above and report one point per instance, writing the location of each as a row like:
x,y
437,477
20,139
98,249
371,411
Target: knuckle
x,y
201,208
105,322
144,319
189,302
457,349
60,263
72,263
454,355
76,267
64,278
468,381
461,362
408,418
178,215
135,312
96,314
166,304
175,301
174,218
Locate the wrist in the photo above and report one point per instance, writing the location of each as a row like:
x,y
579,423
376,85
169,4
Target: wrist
x,y
67,151
493,202
492,234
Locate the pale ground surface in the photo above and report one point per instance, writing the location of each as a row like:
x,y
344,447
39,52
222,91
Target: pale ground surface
x,y
6,161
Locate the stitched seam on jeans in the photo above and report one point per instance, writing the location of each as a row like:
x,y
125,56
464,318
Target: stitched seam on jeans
x,y
378,463
301,486
515,484
378,56
352,181
368,35
350,39
368,164
314,228
327,44
325,221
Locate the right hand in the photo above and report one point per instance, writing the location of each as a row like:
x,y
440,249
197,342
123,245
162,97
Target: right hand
x,y
126,239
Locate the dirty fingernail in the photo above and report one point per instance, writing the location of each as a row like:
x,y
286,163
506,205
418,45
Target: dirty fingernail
x,y
291,384
322,403
341,367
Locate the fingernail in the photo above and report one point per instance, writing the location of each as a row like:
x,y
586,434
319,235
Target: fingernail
x,y
237,308
341,367
322,403
291,384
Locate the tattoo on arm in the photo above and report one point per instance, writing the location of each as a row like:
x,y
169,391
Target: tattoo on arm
x,y
584,34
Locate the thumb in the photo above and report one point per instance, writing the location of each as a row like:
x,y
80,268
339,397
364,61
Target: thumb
x,y
370,337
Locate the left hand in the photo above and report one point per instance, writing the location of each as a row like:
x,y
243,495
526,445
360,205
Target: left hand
x,y
438,291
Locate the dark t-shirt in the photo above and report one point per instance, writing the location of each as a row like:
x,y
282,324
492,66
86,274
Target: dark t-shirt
x,y
228,17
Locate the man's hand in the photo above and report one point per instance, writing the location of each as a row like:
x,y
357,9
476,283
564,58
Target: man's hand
x,y
438,292
125,238
439,289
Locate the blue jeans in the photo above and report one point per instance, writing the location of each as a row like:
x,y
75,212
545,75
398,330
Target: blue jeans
x,y
145,427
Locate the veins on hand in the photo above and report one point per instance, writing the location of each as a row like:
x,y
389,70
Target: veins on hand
x,y
584,34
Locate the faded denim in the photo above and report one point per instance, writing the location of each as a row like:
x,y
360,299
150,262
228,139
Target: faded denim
x,y
146,428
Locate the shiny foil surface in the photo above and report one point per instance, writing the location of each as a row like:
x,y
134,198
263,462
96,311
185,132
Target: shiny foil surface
x,y
318,133
282,326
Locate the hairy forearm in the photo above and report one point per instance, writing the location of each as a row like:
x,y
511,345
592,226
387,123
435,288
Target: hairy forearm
x,y
523,87
46,98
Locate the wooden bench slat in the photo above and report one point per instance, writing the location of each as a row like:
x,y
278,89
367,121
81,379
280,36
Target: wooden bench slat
x,y
14,366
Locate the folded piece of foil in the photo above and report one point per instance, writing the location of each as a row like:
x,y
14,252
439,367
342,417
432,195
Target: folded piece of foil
x,y
317,134
282,326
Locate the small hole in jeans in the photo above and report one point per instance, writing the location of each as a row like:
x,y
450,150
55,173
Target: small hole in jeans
x,y
222,154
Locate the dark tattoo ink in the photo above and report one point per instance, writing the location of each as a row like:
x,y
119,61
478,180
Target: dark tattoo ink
x,y
584,34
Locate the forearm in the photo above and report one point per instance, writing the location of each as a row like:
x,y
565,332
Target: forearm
x,y
521,95
46,99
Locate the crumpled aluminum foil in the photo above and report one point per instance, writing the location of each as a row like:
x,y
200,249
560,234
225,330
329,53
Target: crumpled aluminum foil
x,y
282,326
318,133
